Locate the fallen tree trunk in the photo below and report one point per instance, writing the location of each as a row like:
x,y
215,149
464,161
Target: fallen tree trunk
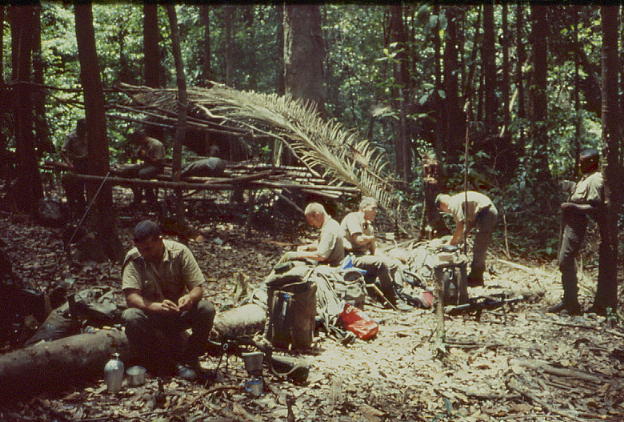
x,y
53,364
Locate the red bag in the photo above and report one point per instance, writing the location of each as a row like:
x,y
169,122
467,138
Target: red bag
x,y
356,321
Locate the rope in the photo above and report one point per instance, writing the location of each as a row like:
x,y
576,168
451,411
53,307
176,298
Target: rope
x,y
88,208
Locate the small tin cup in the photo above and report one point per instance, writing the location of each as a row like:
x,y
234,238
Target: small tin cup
x,y
254,387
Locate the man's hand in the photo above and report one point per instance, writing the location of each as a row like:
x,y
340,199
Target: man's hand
x,y
164,307
185,302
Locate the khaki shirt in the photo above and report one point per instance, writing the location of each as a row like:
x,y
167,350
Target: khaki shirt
x,y
476,202
352,224
75,147
177,274
590,189
330,244
154,150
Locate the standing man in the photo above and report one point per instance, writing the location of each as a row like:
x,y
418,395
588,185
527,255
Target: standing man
x,y
359,239
587,199
329,249
471,210
163,287
152,152
75,153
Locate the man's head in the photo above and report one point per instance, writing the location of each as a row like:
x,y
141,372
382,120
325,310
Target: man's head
x,y
588,160
368,206
315,214
138,137
147,239
441,202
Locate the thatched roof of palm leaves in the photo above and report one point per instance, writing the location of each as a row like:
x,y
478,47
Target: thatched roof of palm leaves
x,y
324,146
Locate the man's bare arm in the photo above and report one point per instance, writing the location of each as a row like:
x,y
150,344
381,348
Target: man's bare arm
x,y
135,299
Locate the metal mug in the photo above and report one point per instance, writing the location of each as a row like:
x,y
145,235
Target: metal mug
x,y
136,375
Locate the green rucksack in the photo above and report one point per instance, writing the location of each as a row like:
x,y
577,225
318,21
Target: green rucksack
x,y
291,306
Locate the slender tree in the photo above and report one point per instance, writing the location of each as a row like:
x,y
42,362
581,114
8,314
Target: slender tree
x,y
454,119
577,98
151,52
279,83
521,52
488,58
606,294
401,90
538,91
42,130
228,17
152,67
182,109
2,9
204,17
505,82
103,220
28,190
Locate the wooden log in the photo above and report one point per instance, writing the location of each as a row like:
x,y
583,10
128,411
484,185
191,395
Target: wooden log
x,y
56,364
203,186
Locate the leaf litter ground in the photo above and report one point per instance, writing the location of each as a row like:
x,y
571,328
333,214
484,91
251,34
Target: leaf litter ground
x,y
515,363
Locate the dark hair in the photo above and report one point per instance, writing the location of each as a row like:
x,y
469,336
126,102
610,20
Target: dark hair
x,y
145,230
588,153
135,136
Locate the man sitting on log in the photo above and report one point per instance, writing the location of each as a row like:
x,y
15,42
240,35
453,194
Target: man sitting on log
x,y
359,239
152,152
163,287
471,209
329,248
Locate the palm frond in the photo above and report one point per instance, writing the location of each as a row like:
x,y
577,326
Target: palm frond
x,y
338,154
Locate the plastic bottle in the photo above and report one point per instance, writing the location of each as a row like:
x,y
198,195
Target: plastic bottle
x,y
114,373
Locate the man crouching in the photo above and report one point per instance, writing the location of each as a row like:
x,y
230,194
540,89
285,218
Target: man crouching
x,y
162,284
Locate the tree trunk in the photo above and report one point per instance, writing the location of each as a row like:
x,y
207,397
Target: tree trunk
x,y
2,9
248,15
577,98
606,294
103,219
505,80
151,56
3,142
182,110
279,83
519,75
440,126
401,91
28,190
204,17
56,363
468,83
538,92
454,119
228,16
42,130
488,59
151,53
304,53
